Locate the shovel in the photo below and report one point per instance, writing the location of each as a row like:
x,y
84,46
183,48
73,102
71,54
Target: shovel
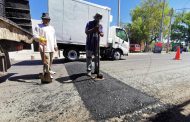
x,y
99,76
45,76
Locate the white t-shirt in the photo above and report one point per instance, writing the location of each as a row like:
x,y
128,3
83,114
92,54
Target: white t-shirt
x,y
48,32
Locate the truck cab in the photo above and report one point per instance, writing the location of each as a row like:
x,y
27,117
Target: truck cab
x,y
119,41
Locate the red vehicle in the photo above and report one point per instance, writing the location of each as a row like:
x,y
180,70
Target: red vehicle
x,y
135,48
158,47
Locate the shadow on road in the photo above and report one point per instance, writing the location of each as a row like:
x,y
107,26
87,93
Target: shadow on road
x,y
73,78
5,77
37,62
173,114
28,63
24,78
107,98
55,61
109,59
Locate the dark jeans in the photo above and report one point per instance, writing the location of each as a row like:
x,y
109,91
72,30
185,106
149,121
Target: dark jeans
x,y
89,55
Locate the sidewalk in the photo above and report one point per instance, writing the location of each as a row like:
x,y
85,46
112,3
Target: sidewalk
x,y
28,55
24,98
149,53
141,53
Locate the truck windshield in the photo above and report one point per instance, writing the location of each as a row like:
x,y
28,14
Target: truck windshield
x,y
121,34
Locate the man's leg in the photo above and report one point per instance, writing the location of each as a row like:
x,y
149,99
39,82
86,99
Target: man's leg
x,y
47,76
47,62
42,57
89,61
51,59
51,62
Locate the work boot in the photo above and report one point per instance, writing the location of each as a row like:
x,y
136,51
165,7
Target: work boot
x,y
46,78
89,74
95,73
52,72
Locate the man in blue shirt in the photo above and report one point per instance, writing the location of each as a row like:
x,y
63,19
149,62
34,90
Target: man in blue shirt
x,y
93,31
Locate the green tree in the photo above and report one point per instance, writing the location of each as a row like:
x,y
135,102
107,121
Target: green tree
x,y
181,27
146,21
186,20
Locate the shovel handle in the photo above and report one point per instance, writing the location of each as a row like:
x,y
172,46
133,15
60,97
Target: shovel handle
x,y
98,72
43,52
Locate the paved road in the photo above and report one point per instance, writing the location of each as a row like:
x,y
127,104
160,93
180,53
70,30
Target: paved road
x,y
158,76
151,87
107,98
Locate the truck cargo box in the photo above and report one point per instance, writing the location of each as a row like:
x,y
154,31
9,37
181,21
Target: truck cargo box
x,y
70,17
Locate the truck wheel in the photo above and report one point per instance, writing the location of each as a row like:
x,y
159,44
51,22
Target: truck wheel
x,y
103,56
116,55
72,55
65,54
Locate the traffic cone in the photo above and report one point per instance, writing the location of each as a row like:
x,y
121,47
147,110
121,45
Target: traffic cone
x,y
177,56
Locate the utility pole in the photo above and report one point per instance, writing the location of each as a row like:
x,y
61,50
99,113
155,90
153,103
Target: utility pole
x,y
119,13
169,33
162,21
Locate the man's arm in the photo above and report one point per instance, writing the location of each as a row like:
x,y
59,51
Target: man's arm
x,y
55,43
101,34
36,34
101,31
89,31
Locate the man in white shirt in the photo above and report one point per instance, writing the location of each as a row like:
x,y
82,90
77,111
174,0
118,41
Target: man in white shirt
x,y
46,31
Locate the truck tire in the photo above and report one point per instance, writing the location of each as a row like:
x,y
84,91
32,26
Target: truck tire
x,y
65,54
71,54
103,57
116,55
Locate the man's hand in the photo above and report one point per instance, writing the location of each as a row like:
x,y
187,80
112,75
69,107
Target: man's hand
x,y
43,43
93,30
101,34
56,49
96,29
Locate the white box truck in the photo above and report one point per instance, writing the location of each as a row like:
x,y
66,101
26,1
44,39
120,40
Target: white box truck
x,y
69,17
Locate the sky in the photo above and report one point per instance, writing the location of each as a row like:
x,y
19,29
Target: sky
x,y
39,6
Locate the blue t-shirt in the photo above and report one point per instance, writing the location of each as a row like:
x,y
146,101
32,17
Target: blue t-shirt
x,y
92,38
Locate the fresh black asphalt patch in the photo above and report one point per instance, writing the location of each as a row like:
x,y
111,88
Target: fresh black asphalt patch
x,y
106,98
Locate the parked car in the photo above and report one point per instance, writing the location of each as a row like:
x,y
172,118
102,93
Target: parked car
x,y
135,48
158,47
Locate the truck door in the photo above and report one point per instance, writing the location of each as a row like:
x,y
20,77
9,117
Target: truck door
x,y
122,40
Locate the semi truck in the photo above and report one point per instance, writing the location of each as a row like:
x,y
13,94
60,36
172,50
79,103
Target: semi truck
x,y
69,18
